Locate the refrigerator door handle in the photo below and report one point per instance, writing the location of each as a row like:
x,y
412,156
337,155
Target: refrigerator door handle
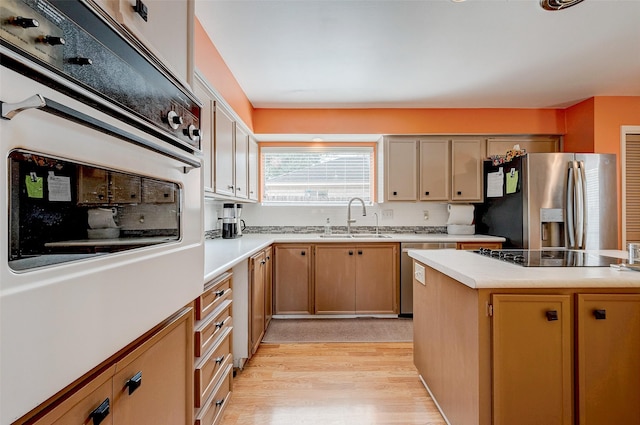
x,y
570,217
582,206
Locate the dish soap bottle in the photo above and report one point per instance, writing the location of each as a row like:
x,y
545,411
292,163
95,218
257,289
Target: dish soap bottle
x,y
327,227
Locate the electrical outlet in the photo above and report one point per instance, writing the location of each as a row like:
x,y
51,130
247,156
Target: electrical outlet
x,y
426,215
387,214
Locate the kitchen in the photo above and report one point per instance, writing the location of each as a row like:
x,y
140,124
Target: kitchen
x,y
591,125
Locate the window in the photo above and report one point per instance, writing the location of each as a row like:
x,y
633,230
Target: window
x,y
327,174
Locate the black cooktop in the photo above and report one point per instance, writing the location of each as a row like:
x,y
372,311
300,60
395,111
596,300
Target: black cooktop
x,y
550,258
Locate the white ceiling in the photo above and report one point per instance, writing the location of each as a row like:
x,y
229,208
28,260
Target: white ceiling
x,y
426,53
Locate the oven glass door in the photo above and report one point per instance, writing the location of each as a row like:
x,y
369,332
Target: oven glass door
x,y
62,210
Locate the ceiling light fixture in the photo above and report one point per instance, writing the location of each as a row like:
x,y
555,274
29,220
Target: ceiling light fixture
x,y
558,4
317,139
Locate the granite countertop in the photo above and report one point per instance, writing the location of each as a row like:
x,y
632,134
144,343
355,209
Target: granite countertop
x,y
222,254
477,271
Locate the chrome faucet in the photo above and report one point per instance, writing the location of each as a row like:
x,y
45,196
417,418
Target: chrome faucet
x,y
349,220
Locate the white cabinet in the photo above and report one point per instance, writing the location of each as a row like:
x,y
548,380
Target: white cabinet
x,y
253,169
206,133
241,163
164,27
434,169
223,141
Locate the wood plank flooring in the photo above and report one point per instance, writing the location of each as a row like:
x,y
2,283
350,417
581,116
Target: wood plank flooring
x,y
331,384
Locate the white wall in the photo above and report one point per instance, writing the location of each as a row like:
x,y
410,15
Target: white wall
x,y
389,214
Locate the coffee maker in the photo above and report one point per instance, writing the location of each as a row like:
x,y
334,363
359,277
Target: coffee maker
x,y
229,221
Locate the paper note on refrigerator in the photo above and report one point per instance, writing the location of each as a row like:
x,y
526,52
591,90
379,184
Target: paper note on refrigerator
x,y
59,188
495,184
512,181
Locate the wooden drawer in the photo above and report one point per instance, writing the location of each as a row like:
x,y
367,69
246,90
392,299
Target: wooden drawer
x,y
210,329
478,245
211,412
215,293
79,406
209,369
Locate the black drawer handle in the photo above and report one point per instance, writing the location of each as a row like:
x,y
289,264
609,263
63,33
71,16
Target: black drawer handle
x,y
359,252
134,196
459,193
350,252
220,324
219,359
303,253
600,314
395,193
219,402
219,293
134,383
426,193
551,315
100,413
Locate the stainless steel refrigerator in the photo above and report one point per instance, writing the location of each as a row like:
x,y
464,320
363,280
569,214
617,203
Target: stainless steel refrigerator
x,y
542,200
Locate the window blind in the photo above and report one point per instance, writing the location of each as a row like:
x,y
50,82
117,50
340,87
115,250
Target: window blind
x,y
329,175
632,191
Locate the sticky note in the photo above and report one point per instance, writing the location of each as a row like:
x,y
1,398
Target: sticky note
x,y
512,182
34,187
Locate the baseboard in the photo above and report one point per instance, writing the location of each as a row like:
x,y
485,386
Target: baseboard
x,y
434,400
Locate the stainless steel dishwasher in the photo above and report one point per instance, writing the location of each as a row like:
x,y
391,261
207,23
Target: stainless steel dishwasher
x,y
406,273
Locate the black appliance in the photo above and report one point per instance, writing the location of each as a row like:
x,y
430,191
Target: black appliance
x,y
550,257
67,45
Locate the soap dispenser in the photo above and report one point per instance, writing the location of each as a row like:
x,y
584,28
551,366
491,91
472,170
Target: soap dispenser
x,y
327,227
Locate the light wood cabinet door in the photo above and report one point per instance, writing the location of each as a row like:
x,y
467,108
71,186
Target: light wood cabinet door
x,y
93,185
158,192
466,178
268,286
124,188
254,167
335,277
608,347
154,383
206,131
532,360
257,264
401,168
292,279
224,134
376,283
435,170
90,404
241,160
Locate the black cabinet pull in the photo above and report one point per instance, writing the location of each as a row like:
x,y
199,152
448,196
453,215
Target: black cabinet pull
x,y
133,196
551,315
100,412
600,314
219,359
395,193
141,9
219,293
219,402
303,253
426,193
459,193
350,252
220,324
263,262
134,383
359,252
268,258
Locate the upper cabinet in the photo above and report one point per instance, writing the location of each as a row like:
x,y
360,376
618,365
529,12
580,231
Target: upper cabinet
x,y
230,169
434,169
165,28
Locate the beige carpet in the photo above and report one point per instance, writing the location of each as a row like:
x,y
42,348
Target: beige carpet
x,y
339,330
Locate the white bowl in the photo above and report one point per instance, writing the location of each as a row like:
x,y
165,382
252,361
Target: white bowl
x,y
461,229
108,233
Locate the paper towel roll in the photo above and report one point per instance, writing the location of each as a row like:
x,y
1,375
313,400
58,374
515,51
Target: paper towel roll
x,y
102,218
460,214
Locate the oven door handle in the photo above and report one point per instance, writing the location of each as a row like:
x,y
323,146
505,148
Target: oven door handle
x,y
10,110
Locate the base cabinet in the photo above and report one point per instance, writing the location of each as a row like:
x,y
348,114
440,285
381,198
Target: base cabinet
x,y
292,279
257,297
149,383
213,364
356,279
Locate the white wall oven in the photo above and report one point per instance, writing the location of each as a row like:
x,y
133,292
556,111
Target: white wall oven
x,y
101,235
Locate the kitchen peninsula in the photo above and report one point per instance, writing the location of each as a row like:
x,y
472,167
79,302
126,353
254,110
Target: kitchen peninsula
x,y
499,343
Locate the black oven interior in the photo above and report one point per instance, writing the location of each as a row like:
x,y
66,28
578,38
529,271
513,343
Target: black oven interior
x,y
62,210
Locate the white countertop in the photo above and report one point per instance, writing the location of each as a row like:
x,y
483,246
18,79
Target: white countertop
x,y
477,271
222,254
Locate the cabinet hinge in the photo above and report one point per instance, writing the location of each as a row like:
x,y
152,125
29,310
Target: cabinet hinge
x,y
489,310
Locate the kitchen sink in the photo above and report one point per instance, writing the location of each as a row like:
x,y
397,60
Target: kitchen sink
x,y
355,236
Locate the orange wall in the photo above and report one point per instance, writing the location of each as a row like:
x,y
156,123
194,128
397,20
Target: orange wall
x,y
218,74
580,127
408,121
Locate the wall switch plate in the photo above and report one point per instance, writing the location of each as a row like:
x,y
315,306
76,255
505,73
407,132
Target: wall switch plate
x,y
387,214
426,215
418,273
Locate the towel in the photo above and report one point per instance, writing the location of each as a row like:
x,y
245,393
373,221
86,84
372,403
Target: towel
x,y
460,214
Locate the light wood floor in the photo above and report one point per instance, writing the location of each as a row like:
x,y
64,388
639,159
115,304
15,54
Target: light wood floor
x,y
331,384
